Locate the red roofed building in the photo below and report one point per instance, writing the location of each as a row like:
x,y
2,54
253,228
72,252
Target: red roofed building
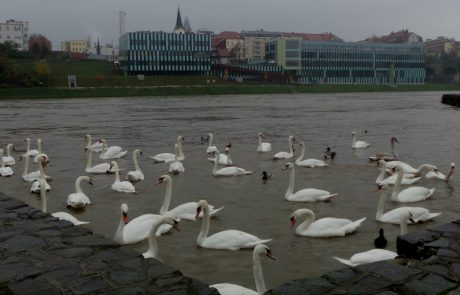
x,y
219,52
314,37
234,43
403,36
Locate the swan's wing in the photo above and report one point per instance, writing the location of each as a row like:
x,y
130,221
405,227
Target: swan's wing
x,y
139,228
232,240
311,195
344,261
186,211
78,198
282,155
68,217
372,256
415,194
232,289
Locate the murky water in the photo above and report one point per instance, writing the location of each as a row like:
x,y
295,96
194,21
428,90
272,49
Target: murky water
x,y
426,129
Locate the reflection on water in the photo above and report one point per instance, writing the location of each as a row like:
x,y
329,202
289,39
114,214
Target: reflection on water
x,y
425,129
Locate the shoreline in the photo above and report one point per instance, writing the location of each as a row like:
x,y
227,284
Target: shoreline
x,y
215,89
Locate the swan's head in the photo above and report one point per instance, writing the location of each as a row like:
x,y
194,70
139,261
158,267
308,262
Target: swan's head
x,y
39,141
139,152
89,180
381,163
394,139
353,133
406,215
210,135
301,143
124,213
42,158
229,145
262,249
171,219
27,139
202,206
299,214
381,187
292,138
164,179
260,134
113,164
10,146
288,165
452,166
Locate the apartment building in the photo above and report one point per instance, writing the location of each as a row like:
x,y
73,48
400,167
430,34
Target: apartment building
x,y
16,32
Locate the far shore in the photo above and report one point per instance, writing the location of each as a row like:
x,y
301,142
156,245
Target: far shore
x,y
215,89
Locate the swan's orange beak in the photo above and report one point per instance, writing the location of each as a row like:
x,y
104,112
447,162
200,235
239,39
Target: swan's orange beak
x,y
198,211
292,222
378,188
160,181
125,217
269,254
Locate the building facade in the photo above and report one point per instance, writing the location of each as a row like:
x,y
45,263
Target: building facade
x,y
159,53
75,46
349,63
16,32
254,43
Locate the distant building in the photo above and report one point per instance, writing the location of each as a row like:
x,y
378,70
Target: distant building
x,y
441,45
254,42
102,52
234,43
16,32
158,53
75,46
348,63
403,36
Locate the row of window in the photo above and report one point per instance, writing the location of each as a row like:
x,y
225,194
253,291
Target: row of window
x,y
7,28
181,64
169,43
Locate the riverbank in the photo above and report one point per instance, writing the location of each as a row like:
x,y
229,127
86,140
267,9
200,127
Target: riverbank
x,y
220,89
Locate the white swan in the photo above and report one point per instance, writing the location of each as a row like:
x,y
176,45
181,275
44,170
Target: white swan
x,y
411,194
176,166
101,168
232,289
224,159
170,157
408,169
184,211
60,215
40,152
311,163
211,148
152,250
137,174
224,240
79,199
358,144
138,229
324,227
34,152
36,185
263,147
441,176
4,171
419,214
286,155
9,160
95,147
111,152
407,179
378,254
306,194
227,171
121,186
386,156
32,176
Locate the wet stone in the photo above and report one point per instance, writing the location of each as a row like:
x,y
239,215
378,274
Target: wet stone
x,y
92,240
48,233
63,272
18,271
341,276
446,228
389,270
429,285
447,252
9,215
83,285
158,269
22,242
304,286
124,277
440,243
369,285
73,252
33,287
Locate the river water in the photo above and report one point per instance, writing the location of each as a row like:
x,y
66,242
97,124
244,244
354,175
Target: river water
x,y
426,129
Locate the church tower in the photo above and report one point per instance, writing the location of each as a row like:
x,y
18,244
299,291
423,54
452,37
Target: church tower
x,y
179,28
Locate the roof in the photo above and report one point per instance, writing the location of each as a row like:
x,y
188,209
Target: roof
x,y
229,35
395,37
178,21
314,37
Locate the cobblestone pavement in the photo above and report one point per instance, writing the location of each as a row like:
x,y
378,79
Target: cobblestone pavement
x,y
42,255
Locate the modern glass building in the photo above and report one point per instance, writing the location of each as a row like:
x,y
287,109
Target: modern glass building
x,y
349,63
159,53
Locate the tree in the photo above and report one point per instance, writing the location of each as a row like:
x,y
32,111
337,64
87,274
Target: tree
x,y
39,45
43,74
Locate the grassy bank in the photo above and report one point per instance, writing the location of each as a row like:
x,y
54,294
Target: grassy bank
x,y
13,93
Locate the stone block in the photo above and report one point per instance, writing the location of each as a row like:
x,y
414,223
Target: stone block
x,y
412,245
91,240
429,285
369,285
22,243
308,286
341,276
84,285
18,271
73,252
33,287
389,270
125,277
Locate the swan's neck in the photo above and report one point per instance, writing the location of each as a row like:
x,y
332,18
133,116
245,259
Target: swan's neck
x,y
353,142
393,150
26,165
423,167
89,158
43,194
381,205
449,174
88,140
305,224
291,149
27,146
258,274
117,173
210,140
8,150
228,159
181,152
403,226
119,233
216,163
302,154
136,163
153,243
167,199
381,176
78,185
39,144
42,170
397,187
204,225
290,188
260,141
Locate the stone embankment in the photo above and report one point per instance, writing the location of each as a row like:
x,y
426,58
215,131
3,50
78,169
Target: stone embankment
x,y
451,99
42,255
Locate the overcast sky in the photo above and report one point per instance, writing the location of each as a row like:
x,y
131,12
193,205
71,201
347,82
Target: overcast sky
x,y
351,20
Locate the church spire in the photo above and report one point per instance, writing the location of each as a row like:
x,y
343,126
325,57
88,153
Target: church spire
x,y
179,28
